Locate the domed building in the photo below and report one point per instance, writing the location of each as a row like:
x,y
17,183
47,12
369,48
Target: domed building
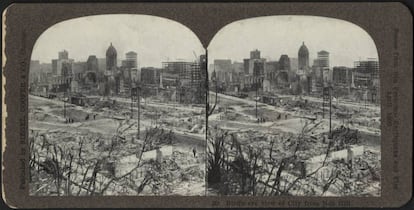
x,y
112,74
303,57
111,57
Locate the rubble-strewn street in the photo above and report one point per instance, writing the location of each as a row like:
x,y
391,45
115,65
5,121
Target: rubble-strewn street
x,y
99,153
289,152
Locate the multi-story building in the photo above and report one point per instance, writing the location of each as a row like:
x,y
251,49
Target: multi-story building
x,y
197,88
294,64
271,68
303,58
284,62
189,79
54,66
92,64
131,60
91,72
179,68
62,61
237,67
323,59
258,69
222,65
102,64
320,68
367,73
246,65
252,61
366,77
342,75
111,58
63,55
62,73
128,69
317,70
255,54
253,71
78,70
112,74
150,75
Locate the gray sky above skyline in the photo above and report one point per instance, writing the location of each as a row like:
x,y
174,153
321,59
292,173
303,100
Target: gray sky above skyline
x,y
277,35
158,39
155,39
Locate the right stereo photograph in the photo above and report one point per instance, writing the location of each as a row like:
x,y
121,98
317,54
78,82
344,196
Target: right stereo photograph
x,y
293,109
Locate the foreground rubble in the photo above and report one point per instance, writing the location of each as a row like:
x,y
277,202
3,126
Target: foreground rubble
x,y
102,155
288,149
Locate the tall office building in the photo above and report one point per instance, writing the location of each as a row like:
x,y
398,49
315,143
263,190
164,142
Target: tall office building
x,y
342,75
323,59
366,76
63,61
92,64
250,62
284,62
150,75
222,65
367,73
111,58
303,57
63,55
54,66
255,54
131,60
294,64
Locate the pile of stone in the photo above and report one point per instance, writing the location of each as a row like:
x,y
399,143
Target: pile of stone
x,y
345,136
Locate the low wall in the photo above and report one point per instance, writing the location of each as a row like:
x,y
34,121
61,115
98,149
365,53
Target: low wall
x,y
345,154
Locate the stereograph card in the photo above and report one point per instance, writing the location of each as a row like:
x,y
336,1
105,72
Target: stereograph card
x,y
217,105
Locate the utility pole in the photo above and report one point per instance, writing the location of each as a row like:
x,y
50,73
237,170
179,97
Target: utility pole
x,y
330,110
132,104
256,84
135,95
327,92
65,94
326,95
139,110
323,104
64,108
214,82
257,88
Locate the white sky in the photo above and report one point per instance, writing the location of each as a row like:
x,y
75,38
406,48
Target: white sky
x,y
277,35
155,39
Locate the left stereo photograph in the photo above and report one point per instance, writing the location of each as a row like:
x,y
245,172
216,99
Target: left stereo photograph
x,y
117,107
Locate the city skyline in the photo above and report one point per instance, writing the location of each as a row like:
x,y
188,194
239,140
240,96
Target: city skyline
x,y
92,35
278,35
